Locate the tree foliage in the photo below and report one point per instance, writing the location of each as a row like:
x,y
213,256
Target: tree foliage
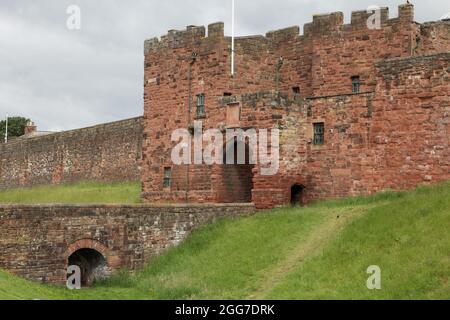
x,y
16,127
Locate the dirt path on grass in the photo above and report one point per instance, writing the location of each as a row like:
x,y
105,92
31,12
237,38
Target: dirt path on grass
x,y
309,248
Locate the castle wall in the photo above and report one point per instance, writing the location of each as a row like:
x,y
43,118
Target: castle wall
x,y
434,37
320,64
335,168
411,126
36,241
343,51
394,138
106,153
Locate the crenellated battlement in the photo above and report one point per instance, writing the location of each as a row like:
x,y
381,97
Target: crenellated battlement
x,y
175,38
359,18
321,60
322,24
283,34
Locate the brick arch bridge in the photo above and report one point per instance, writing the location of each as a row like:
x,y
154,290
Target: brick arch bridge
x,y
38,240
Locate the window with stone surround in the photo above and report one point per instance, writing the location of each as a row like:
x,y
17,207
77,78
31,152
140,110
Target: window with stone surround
x,y
201,105
319,134
356,84
167,177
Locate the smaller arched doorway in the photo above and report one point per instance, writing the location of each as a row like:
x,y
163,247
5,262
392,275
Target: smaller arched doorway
x,y
297,193
93,265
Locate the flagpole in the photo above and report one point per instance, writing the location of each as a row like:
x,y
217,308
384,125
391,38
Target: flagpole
x,y
6,129
232,37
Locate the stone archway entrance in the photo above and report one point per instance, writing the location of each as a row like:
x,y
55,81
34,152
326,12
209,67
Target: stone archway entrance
x,y
236,183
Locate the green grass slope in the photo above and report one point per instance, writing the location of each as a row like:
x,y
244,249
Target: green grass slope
x,y
320,252
84,192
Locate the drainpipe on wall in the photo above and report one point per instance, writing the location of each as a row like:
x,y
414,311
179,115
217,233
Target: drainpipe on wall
x,y
193,59
277,73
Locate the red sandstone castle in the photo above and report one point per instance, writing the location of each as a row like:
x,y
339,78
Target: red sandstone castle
x,y
360,110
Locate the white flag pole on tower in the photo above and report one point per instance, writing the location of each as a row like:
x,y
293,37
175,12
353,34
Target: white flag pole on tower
x,y
232,37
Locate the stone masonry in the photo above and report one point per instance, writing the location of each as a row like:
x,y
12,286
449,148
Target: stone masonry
x,y
106,153
390,132
37,241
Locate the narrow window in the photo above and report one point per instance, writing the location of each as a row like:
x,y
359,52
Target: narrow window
x,y
296,90
227,94
201,105
356,84
319,133
167,177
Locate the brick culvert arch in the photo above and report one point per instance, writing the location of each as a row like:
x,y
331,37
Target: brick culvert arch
x,y
93,258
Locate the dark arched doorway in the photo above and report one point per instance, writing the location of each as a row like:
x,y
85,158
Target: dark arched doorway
x,y
297,195
236,179
93,265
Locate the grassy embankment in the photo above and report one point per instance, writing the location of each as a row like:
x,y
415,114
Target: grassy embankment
x,y
85,192
319,252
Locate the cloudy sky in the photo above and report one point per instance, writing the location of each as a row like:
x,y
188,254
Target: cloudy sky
x,y
65,79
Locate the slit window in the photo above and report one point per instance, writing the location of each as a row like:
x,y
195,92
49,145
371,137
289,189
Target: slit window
x,y
167,177
296,90
201,105
319,134
356,84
